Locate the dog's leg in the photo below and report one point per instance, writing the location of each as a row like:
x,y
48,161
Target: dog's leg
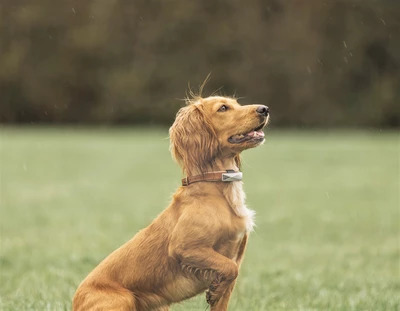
x,y
222,304
199,261
104,297
191,245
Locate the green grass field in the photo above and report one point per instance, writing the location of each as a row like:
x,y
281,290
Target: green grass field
x,y
327,203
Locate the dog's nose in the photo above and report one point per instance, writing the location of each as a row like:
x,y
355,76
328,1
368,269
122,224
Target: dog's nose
x,y
262,110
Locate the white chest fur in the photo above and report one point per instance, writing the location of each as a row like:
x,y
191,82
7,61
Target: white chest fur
x,y
236,198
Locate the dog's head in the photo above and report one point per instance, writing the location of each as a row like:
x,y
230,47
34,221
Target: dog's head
x,y
213,127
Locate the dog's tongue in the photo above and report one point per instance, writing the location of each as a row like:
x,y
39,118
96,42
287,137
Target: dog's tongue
x,y
252,134
259,133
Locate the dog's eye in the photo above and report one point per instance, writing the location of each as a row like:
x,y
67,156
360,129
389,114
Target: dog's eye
x,y
223,108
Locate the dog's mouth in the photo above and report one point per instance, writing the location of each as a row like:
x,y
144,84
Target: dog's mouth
x,y
255,135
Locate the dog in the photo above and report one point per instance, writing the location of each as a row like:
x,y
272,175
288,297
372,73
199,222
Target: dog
x,y
197,243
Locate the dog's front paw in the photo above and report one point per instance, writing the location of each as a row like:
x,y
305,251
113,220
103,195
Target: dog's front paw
x,y
213,294
211,297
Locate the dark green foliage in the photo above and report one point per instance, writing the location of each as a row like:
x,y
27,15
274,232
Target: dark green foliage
x,y
315,63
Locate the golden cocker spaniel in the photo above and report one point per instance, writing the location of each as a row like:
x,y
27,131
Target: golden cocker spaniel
x,y
197,243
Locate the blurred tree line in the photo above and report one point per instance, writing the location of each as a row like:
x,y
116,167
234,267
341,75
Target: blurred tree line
x,y
315,63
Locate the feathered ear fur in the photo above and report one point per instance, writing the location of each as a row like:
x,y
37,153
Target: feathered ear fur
x,y
193,141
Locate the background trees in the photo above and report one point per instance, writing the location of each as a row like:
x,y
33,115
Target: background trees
x,y
315,63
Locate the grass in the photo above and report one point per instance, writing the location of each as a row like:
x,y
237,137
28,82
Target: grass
x,y
327,204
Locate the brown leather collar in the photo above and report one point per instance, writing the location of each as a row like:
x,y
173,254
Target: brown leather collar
x,y
225,176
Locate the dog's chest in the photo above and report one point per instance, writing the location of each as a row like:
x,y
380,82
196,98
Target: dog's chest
x,y
236,197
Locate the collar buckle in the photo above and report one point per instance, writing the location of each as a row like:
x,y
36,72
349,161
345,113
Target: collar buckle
x,y
231,175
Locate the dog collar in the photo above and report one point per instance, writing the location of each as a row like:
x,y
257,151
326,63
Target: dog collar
x,y
225,176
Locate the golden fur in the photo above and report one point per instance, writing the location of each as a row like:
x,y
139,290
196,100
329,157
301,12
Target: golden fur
x,y
197,242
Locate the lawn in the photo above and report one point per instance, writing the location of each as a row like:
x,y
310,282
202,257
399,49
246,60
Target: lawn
x,y
327,203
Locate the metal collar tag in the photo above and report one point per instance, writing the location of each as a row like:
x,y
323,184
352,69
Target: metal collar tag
x,y
232,176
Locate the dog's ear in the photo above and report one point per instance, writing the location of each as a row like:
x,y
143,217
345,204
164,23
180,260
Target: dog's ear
x,y
193,141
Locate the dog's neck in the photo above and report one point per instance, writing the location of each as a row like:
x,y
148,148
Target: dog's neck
x,y
219,164
226,164
232,191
